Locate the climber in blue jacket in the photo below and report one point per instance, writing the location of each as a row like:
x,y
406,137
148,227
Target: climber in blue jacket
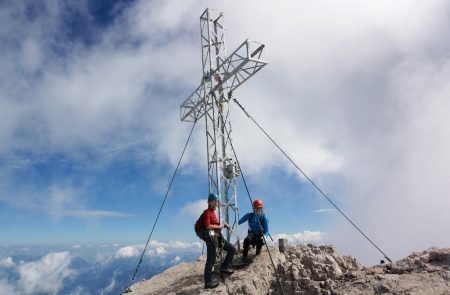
x,y
258,227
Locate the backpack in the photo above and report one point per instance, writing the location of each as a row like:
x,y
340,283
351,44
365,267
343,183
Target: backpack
x,y
199,225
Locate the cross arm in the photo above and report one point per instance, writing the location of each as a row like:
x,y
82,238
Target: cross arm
x,y
243,63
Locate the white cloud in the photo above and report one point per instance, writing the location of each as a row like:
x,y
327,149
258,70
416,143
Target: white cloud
x,y
60,201
71,106
155,243
301,237
325,210
79,291
6,288
135,250
94,214
103,257
76,246
108,289
194,208
183,245
128,251
156,248
66,202
176,260
6,262
45,275
160,251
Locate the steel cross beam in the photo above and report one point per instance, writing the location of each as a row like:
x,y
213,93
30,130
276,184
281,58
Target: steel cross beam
x,y
243,63
222,75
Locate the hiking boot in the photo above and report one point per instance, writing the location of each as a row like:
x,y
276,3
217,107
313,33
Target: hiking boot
x,y
211,285
226,270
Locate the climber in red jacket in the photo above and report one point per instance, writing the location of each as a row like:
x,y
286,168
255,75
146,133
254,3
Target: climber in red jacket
x,y
208,229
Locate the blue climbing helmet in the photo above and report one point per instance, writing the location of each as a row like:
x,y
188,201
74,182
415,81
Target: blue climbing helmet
x,y
212,197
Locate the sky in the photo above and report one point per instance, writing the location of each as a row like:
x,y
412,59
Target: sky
x,y
356,92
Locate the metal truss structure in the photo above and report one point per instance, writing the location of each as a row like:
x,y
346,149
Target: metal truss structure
x,y
222,75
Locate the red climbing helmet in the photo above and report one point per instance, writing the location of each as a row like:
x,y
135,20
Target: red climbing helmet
x,y
257,204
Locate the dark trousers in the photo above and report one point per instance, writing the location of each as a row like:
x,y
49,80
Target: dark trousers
x,y
253,239
211,247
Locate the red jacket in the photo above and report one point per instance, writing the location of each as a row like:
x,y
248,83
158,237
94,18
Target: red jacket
x,y
209,217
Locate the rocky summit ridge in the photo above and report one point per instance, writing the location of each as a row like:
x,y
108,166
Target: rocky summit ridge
x,y
311,269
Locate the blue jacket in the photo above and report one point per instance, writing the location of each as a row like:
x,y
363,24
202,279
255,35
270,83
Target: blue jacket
x,y
253,223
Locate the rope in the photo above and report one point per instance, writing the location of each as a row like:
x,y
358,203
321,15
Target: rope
x,y
163,202
312,182
251,201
